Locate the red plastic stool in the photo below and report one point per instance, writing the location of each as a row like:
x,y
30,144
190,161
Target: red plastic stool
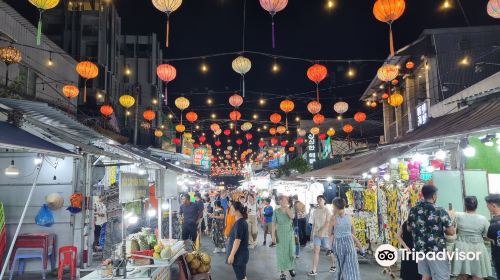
x,y
67,257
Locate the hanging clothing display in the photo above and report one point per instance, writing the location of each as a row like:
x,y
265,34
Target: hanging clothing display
x,y
330,191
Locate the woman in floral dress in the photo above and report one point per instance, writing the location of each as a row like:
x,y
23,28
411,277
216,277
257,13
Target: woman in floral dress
x,y
218,228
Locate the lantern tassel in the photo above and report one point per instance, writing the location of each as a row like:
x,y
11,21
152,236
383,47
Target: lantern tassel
x,y
168,30
272,32
85,91
391,40
286,121
165,98
243,77
39,29
317,92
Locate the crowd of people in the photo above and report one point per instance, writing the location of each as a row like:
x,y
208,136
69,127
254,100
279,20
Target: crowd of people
x,y
233,223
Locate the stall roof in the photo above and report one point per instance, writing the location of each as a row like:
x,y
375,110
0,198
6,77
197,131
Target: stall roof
x,y
359,164
13,137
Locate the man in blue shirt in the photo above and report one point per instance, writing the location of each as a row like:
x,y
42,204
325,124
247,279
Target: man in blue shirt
x,y
268,220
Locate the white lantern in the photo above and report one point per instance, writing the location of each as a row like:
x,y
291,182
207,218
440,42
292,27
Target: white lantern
x,y
341,107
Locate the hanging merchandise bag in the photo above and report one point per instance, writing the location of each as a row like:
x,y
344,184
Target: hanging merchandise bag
x,y
44,217
76,200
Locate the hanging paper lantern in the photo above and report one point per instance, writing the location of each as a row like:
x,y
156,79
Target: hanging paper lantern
x,y
318,119
246,126
149,115
214,127
275,118
330,132
236,100
281,129
394,82
239,141
176,141
218,132
322,136
180,128
202,139
409,65
395,100
314,107
218,143
187,135
301,132
167,7
166,73
360,117
70,91
388,11
42,6
283,143
385,95
291,149
227,132
348,128
182,103
10,55
86,70
273,6
235,115
272,131
373,104
341,107
387,72
126,101
299,141
196,146
158,133
287,105
274,141
493,8
106,110
262,144
317,73
242,65
315,130
191,117
248,136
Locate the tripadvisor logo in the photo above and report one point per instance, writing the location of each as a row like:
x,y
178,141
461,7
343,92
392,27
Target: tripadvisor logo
x,y
386,255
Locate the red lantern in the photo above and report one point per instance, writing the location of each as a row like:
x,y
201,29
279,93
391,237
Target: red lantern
x,y
248,136
348,128
106,110
394,82
202,139
176,141
191,117
227,132
317,73
360,117
149,115
322,136
385,95
239,141
262,144
283,143
299,141
236,100
318,119
195,145
388,11
314,107
218,143
235,115
274,141
291,149
166,73
410,64
275,118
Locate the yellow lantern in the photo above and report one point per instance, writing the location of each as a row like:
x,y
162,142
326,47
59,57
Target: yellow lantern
x,y
242,65
387,72
42,6
246,126
330,132
180,128
395,100
182,103
158,133
127,101
168,7
188,135
315,130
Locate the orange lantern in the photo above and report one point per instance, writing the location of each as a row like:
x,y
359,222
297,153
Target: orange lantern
x,y
330,132
275,118
387,72
314,107
235,115
395,100
410,64
373,104
272,131
106,110
385,95
388,11
158,133
314,130
214,127
166,73
317,73
348,128
236,100
149,115
70,91
180,128
394,82
191,117
318,119
281,129
87,70
360,117
287,105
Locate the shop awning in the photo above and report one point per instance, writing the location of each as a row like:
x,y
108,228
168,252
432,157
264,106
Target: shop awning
x,y
356,166
12,137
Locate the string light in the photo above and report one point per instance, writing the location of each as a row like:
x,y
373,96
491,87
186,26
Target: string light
x,y
170,116
197,127
154,101
213,116
162,126
128,72
210,101
276,67
50,63
446,5
330,4
339,117
262,101
351,73
264,127
127,113
297,119
465,61
255,116
204,68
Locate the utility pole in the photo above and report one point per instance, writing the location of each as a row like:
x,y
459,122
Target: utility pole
x,y
136,121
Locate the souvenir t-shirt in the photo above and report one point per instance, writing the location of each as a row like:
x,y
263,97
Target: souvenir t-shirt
x,y
330,192
428,224
239,231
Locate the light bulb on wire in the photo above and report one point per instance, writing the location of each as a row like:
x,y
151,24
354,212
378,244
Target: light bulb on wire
x,y
204,68
210,101
330,4
275,68
50,63
262,101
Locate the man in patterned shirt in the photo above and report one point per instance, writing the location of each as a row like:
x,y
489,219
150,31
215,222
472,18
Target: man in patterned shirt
x,y
428,224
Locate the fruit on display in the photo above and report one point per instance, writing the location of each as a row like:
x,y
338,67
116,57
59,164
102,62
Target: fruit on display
x,y
198,262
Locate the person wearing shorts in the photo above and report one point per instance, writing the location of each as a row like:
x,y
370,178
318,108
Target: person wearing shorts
x,y
320,234
268,220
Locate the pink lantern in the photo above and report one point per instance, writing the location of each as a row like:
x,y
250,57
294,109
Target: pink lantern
x,y
273,6
166,73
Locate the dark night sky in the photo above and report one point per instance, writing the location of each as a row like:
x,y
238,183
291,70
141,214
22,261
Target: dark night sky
x,y
304,29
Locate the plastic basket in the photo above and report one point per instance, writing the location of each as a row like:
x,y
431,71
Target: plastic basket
x,y
146,253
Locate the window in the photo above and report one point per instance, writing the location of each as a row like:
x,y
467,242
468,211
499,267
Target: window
x,y
422,114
